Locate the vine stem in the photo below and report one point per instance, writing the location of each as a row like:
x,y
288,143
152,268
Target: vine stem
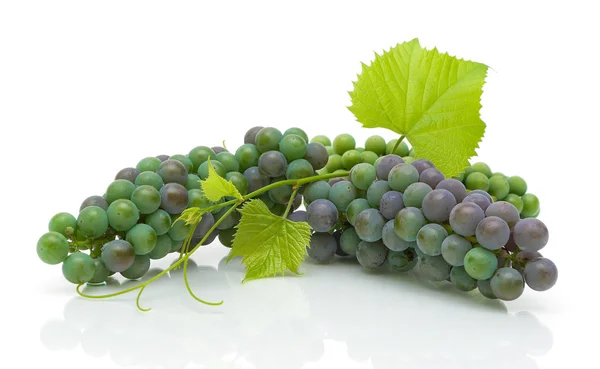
x,y
289,205
398,143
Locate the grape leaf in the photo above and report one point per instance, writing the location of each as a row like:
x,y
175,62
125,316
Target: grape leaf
x,y
216,187
269,245
192,215
431,98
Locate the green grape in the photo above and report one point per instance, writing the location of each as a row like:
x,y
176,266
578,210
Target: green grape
x,y
150,179
460,177
376,144
499,174
341,194
149,164
411,152
461,279
267,139
401,150
230,221
299,168
267,200
239,181
122,215
351,158
415,193
362,174
247,155
297,131
480,263
219,168
518,186
360,149
292,147
146,198
199,155
368,157
477,181
499,187
376,191
281,194
408,222
61,221
408,159
176,245
179,229
162,248
343,143
401,176
330,150
140,266
183,159
101,272
226,237
278,209
92,222
78,268
160,220
531,205
229,161
482,168
119,189
193,182
52,248
324,140
316,190
196,199
142,237
334,163
355,207
515,200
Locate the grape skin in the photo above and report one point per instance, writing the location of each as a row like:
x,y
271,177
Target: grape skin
x,y
355,208
456,187
98,201
465,217
342,194
369,225
255,179
454,249
250,136
392,241
78,268
430,238
316,190
172,171
434,268
480,263
52,248
478,199
316,154
386,164
415,193
401,176
461,279
541,274
504,210
390,204
408,222
492,233
349,241
438,204
376,191
129,174
402,261
118,255
486,289
530,234
322,215
422,165
297,216
173,198
322,247
371,255
431,176
507,284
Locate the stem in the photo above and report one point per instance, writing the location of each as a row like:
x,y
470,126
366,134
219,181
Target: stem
x,y
289,205
397,143
295,182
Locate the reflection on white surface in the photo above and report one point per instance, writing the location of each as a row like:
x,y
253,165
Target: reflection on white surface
x,y
386,321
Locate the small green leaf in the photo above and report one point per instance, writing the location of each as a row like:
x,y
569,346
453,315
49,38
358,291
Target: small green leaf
x,y
191,215
269,245
216,187
432,98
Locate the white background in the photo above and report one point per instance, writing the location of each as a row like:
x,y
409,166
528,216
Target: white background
x,y
90,87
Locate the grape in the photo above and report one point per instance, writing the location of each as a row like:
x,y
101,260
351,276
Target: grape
x,y
52,248
502,256
183,159
146,198
530,234
368,157
119,189
118,255
298,216
438,204
317,155
247,155
239,181
376,191
351,158
531,205
461,279
369,225
362,175
408,222
354,208
541,274
402,261
505,211
391,240
296,131
371,255
196,199
321,215
230,221
192,182
98,201
336,180
229,161
149,164
281,194
100,272
316,190
349,241
219,149
342,194
385,165
343,143
422,164
492,233
334,163
465,217
176,245
434,268
129,174
322,247
268,139
376,144
401,149
524,257
515,200
140,266
250,136
292,147
149,178
485,289
255,179
173,171
498,186
456,187
511,245
297,202
162,247
174,198
430,238
401,176
482,168
199,155
272,164
78,268
92,222
477,181
507,284
217,166
267,200
408,159
480,263
142,237
390,204
517,185
478,199
61,221
415,193
484,193
431,176
206,223
226,237
162,157
299,168
324,140
454,249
